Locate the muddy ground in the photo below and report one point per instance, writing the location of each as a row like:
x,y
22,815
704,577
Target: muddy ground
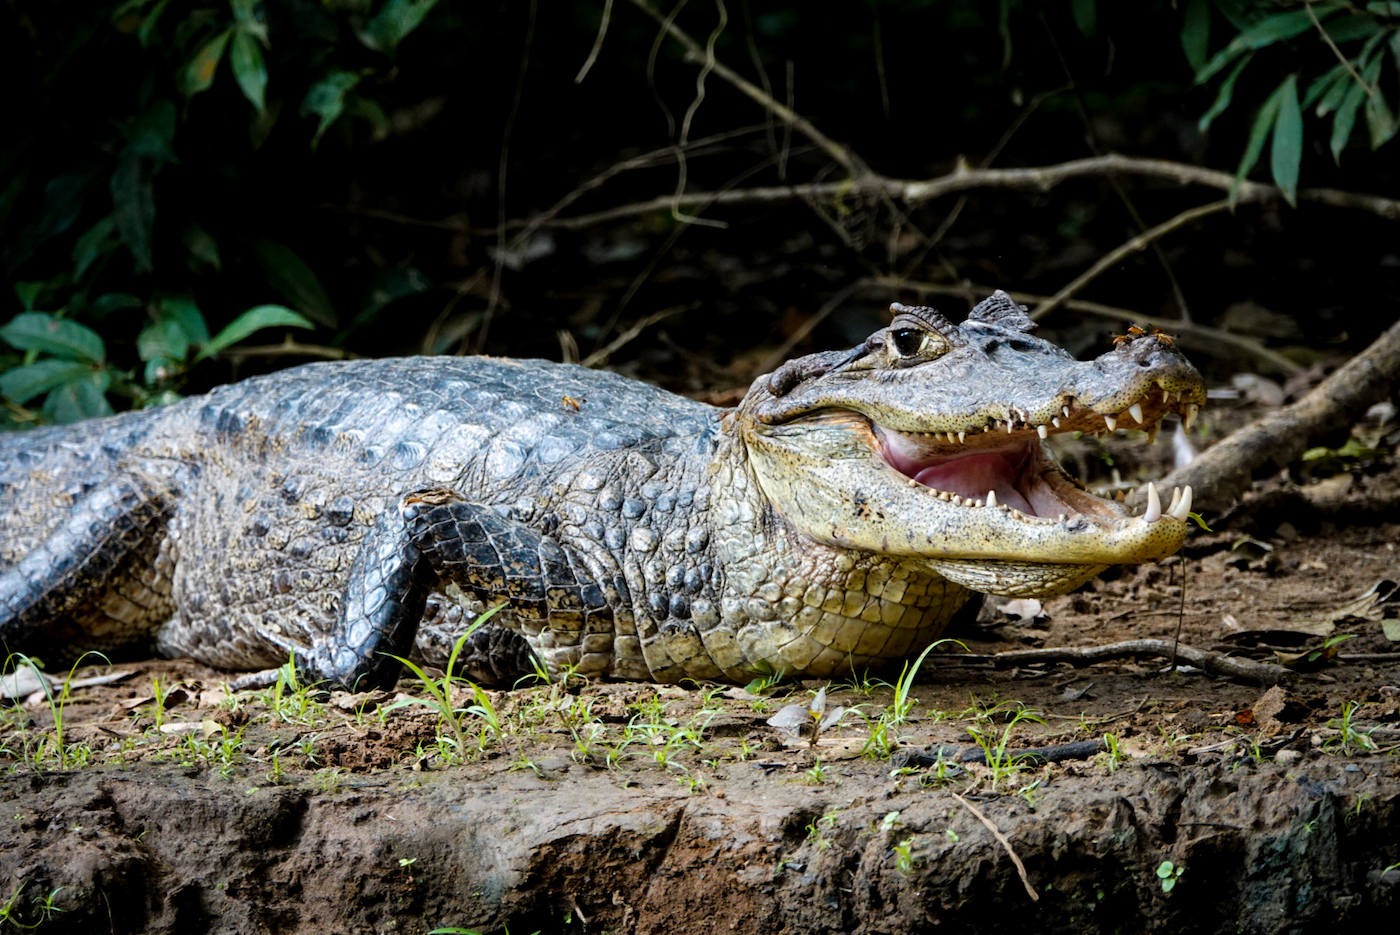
x,y
170,805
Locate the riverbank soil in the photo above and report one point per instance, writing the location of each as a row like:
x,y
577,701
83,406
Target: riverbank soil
x,y
1185,801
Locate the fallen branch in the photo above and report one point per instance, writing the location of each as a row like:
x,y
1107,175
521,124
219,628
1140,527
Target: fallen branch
x,y
600,356
1215,663
964,178
1031,756
1202,337
1006,845
1226,470
1111,259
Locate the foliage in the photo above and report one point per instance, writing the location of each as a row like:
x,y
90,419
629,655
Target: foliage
x,y
126,226
1305,38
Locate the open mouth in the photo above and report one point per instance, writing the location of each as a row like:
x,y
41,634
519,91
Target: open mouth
x,y
1003,465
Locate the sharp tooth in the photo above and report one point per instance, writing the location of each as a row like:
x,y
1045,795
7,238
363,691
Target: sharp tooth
x,y
1061,518
1055,421
957,500
1064,411
1183,509
975,502
1042,431
962,437
1191,411
1152,434
1111,422
1154,505
1017,513
913,483
1136,411
991,498
1008,426
1176,498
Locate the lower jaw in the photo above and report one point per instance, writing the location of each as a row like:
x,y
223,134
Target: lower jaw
x,y
1015,579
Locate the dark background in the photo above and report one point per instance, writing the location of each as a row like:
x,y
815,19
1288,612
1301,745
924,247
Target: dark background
x,y
383,232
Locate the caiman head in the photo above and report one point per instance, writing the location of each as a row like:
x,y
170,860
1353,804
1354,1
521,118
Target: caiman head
x,y
927,441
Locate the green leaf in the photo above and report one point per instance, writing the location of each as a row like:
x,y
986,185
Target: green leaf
x,y
1195,33
1086,16
198,75
22,384
1287,154
1263,124
97,242
188,316
243,10
63,200
1379,120
202,247
148,25
159,369
398,18
1264,33
1345,120
112,302
28,294
83,398
289,275
163,339
40,331
134,205
1389,8
326,99
255,319
152,134
1222,99
1351,28
248,69
1322,87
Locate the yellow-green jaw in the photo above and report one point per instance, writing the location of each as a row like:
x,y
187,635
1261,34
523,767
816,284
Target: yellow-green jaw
x,y
972,490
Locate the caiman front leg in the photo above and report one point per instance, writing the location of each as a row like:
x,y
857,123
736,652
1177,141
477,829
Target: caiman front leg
x,y
434,539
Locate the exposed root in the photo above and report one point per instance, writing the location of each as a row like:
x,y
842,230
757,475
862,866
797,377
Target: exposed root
x,y
1006,845
1261,673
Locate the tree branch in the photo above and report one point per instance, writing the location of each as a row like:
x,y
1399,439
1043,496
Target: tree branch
x,y
1226,469
1202,337
695,52
1140,242
1215,663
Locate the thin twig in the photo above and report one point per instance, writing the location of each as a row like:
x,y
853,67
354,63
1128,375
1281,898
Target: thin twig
x,y
1137,244
597,43
1006,845
961,179
600,356
1346,63
287,348
807,327
498,268
1205,337
695,52
1209,661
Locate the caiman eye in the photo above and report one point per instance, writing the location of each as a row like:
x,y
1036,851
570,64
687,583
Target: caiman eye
x,y
909,341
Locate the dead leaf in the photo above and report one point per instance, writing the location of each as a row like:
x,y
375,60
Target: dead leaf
x,y
181,727
1268,707
1025,609
23,682
831,748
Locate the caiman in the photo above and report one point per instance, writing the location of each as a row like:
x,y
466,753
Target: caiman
x,y
342,512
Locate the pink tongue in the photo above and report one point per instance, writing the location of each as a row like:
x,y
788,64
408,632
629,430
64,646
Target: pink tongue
x,y
973,476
